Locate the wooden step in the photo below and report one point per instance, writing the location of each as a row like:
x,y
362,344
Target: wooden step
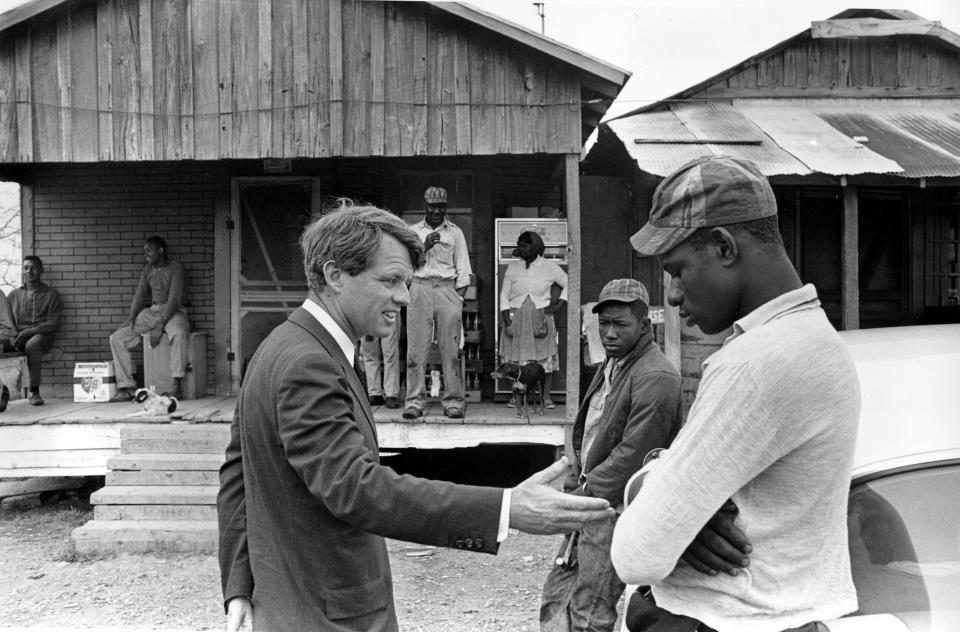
x,y
181,462
163,477
155,495
143,536
174,439
155,512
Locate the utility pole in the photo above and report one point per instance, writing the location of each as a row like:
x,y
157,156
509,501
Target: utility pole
x,y
543,17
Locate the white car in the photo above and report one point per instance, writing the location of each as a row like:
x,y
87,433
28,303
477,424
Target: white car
x,y
904,512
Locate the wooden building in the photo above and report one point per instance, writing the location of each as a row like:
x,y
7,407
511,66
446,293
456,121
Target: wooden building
x,y
856,122
222,125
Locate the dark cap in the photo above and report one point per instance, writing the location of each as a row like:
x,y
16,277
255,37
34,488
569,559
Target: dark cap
x,y
435,195
622,291
710,191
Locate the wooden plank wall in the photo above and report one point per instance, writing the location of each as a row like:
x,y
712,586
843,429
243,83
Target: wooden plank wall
x,y
905,65
129,80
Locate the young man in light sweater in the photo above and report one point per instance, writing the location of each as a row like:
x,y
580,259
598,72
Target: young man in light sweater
x,y
772,428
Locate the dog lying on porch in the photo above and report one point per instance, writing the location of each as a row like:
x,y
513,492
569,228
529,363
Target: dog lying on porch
x,y
527,380
153,405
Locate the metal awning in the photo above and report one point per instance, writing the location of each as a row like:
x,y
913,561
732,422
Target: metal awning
x,y
912,138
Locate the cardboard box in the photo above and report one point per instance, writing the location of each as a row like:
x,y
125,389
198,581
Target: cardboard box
x,y
94,382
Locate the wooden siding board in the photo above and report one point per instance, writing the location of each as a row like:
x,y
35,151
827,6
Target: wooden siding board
x,y
419,95
482,121
64,83
84,93
318,77
46,93
393,95
264,77
105,79
126,81
243,92
226,23
500,95
461,92
8,99
335,32
147,115
185,61
166,82
206,75
356,80
377,22
441,129
24,97
301,115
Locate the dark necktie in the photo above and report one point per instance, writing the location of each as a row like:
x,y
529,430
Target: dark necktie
x,y
358,368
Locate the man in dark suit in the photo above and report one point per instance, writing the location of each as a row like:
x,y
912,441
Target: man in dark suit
x,y
304,503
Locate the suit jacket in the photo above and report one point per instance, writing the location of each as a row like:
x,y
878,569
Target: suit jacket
x,y
642,412
304,503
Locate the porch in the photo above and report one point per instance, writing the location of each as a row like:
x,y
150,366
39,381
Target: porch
x,y
65,438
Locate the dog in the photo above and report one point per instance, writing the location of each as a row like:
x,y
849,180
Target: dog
x,y
527,380
153,405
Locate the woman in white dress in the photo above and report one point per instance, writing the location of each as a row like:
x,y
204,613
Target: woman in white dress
x,y
529,333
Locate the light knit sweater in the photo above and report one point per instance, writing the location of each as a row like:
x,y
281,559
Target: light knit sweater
x,y
773,426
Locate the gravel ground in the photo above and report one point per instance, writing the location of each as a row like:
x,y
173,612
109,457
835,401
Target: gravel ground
x,y
45,584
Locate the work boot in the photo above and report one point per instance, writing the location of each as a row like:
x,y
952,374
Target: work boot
x,y
393,402
377,400
35,399
123,394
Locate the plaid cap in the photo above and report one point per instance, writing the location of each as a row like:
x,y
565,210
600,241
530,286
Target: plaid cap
x,y
622,291
709,191
435,195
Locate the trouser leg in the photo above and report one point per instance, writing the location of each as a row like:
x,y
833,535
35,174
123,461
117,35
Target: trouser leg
x,y
449,330
597,589
370,352
34,349
391,361
178,331
122,341
419,336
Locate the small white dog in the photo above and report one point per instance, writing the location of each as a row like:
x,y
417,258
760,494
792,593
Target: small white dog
x,y
153,405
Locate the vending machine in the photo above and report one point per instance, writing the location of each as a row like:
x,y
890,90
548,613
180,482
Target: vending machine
x,y
554,235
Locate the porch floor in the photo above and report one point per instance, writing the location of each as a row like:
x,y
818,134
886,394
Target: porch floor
x,y
67,438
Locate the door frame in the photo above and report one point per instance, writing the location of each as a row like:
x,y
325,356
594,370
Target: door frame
x,y
236,184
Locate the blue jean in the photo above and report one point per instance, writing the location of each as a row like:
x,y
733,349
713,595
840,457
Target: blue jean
x,y
583,597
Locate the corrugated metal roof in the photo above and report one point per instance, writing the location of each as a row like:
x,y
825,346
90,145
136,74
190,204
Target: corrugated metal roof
x,y
909,137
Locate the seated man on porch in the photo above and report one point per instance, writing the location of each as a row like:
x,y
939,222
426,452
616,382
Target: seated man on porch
x,y
7,332
163,281
35,307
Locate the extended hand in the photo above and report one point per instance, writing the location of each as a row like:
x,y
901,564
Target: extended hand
x,y
239,615
538,507
155,337
720,546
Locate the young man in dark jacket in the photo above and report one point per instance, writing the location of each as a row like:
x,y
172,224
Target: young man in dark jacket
x,y
632,406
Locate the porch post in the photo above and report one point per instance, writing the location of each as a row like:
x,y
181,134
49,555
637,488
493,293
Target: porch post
x,y
572,197
849,259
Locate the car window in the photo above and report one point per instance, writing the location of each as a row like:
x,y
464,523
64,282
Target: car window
x,y
905,541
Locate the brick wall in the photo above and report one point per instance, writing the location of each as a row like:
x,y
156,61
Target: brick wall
x,y
90,223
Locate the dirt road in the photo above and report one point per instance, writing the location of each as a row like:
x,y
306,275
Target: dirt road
x,y
45,584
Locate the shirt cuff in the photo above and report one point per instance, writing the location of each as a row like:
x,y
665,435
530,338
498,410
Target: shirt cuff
x,y
502,530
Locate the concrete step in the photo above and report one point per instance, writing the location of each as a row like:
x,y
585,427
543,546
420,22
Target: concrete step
x,y
174,439
155,512
181,462
163,477
155,495
144,536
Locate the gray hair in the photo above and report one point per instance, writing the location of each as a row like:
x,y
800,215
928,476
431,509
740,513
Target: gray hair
x,y
349,236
